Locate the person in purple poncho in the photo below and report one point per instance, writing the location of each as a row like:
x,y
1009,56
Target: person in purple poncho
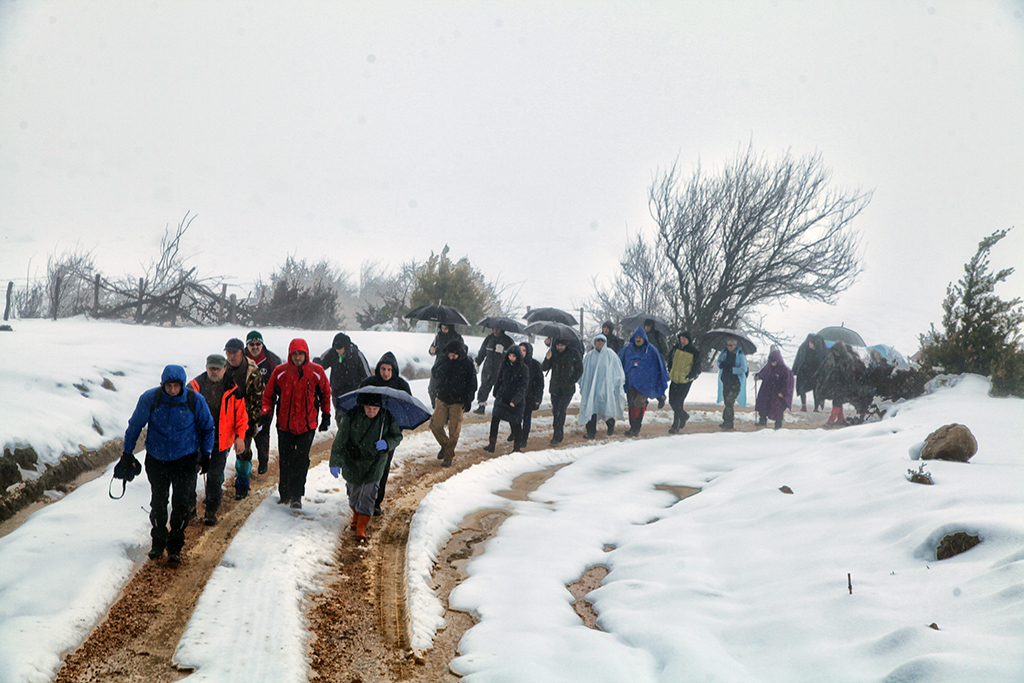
x,y
776,394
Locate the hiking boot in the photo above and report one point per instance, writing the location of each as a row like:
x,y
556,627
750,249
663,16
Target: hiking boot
x,y
239,495
210,518
263,468
440,454
673,430
588,436
510,438
803,409
762,421
554,441
480,409
447,462
283,501
156,553
296,504
491,444
726,426
611,429
174,557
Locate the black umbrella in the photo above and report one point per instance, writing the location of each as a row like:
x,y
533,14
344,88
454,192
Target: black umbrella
x,y
630,323
716,339
544,328
502,323
555,315
408,411
437,313
843,334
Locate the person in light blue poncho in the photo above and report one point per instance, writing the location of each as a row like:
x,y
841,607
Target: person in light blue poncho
x,y
646,377
732,381
601,394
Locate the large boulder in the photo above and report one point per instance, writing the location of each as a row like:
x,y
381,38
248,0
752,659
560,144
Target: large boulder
x,y
952,442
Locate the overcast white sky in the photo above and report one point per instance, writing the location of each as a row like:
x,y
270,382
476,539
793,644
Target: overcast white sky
x,y
525,135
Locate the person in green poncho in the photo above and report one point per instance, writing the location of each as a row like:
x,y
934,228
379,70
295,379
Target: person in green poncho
x,y
360,454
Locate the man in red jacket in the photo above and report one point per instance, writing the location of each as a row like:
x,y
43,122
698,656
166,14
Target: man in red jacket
x,y
301,390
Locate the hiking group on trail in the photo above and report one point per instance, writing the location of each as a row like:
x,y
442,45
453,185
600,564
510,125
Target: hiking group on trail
x,y
192,425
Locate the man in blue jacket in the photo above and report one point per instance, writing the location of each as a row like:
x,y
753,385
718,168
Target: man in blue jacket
x,y
179,442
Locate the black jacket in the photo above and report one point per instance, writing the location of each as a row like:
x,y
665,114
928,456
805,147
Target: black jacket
x,y
566,369
347,373
441,341
489,355
396,381
535,392
456,379
513,380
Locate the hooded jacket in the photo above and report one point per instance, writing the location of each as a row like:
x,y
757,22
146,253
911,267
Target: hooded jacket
x,y
456,379
535,392
513,380
354,450
613,341
299,392
808,362
601,391
492,351
775,379
643,366
174,430
231,421
396,382
348,371
441,341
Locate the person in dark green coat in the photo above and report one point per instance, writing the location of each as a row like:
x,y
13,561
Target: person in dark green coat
x,y
360,454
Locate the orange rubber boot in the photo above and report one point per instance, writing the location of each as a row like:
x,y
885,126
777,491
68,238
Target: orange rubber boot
x,y
361,522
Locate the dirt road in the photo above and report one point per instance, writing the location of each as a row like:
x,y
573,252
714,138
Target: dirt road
x,y
359,620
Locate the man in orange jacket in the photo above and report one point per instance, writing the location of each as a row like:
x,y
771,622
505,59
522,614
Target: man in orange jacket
x,y
300,389
227,405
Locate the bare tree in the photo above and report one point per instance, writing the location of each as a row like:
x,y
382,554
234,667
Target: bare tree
x,y
68,282
756,233
641,286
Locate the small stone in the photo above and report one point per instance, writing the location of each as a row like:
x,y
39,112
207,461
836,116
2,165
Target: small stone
x,y
786,489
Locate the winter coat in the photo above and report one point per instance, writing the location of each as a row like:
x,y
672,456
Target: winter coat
x,y
248,376
535,392
643,366
396,382
737,367
775,379
683,362
354,450
232,421
601,391
347,371
566,369
613,341
299,391
266,362
174,430
836,377
492,352
441,341
513,380
456,379
808,361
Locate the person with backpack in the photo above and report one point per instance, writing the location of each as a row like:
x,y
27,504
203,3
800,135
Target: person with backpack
x,y
179,440
246,375
266,360
347,365
366,434
300,390
227,403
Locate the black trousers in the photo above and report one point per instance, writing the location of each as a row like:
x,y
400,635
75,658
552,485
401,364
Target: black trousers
x,y
676,398
514,417
262,441
559,404
293,457
173,481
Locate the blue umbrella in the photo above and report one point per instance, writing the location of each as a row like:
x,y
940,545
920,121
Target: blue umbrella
x,y
409,412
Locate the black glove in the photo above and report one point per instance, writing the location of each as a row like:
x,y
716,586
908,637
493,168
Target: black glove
x,y
264,420
204,463
127,467
325,422
466,407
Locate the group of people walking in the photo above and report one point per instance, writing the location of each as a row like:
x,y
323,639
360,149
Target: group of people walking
x,y
192,425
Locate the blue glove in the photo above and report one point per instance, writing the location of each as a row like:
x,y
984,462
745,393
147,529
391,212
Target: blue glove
x,y
381,445
335,471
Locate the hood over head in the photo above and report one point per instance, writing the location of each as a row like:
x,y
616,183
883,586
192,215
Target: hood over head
x,y
529,349
640,332
514,349
387,359
776,356
298,345
455,346
174,373
341,341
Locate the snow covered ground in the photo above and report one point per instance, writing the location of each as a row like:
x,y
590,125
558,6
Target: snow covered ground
x,y
739,582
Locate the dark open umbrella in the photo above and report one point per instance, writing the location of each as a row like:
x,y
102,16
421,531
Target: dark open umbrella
x,y
501,322
843,334
630,323
716,339
555,315
407,410
544,328
437,313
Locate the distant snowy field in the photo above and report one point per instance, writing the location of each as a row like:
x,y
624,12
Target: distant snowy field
x,y
739,582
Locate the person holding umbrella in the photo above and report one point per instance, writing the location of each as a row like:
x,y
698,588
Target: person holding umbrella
x,y
510,389
566,368
732,380
366,434
455,377
347,365
490,355
646,377
386,375
683,368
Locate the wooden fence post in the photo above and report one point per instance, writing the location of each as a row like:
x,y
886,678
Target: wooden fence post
x,y
7,308
233,310
220,304
96,296
138,309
